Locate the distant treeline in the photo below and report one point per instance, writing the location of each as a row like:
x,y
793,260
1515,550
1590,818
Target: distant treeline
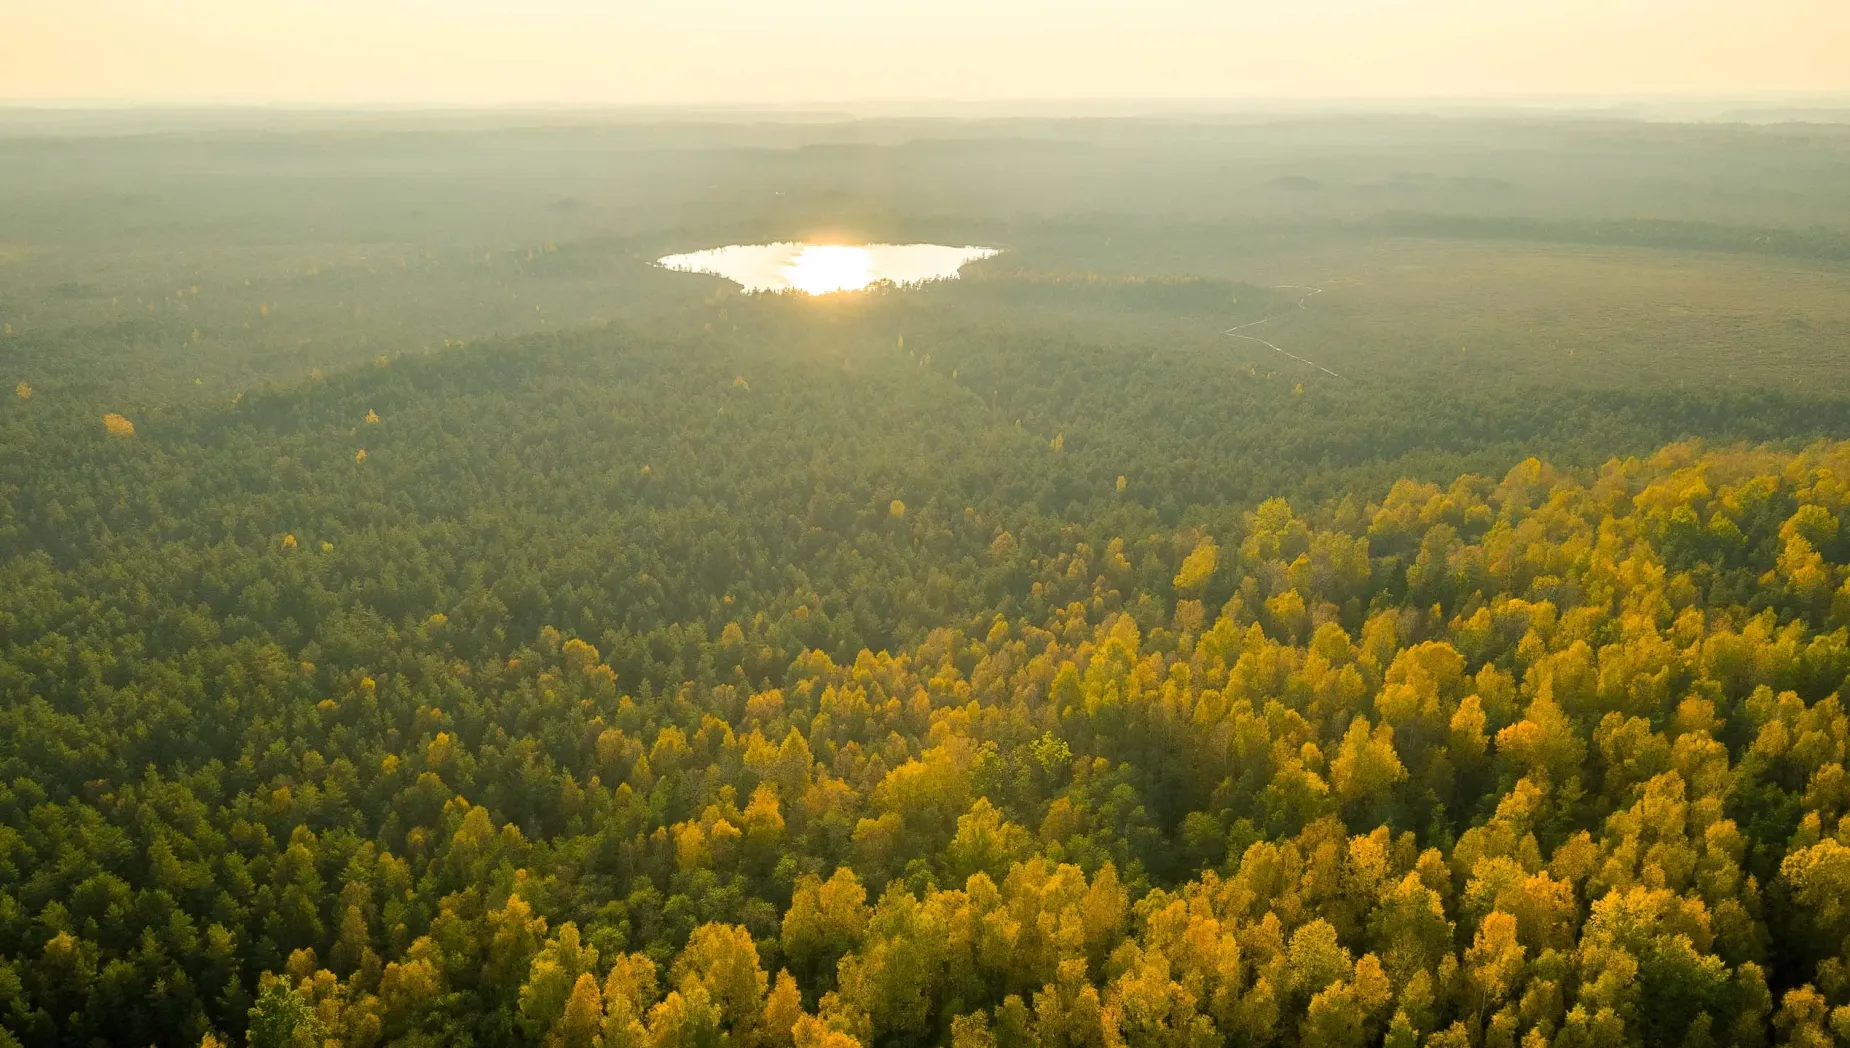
x,y
1815,242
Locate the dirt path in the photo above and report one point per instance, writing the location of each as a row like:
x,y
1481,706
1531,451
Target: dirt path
x,y
1309,293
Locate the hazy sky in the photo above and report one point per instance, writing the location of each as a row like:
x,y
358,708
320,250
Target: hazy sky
x,y
708,52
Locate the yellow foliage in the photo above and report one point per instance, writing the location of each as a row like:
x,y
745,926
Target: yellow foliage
x,y
896,509
24,391
360,455
581,1025
1122,483
691,847
289,542
580,654
1198,567
371,415
117,426
1366,763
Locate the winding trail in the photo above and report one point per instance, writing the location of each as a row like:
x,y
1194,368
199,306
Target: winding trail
x,y
1309,293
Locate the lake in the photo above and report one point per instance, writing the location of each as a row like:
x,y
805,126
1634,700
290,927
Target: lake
x,y
822,269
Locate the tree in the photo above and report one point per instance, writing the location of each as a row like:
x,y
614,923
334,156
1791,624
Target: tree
x,y
629,991
553,980
686,1019
986,843
722,961
1197,568
826,920
283,1018
515,935
1366,766
581,1024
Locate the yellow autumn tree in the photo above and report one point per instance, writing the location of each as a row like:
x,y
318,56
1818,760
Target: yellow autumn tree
x,y
581,1025
118,426
1198,567
783,1009
24,390
825,920
1366,764
560,970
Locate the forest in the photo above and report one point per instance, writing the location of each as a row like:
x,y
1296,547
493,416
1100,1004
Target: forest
x,y
425,623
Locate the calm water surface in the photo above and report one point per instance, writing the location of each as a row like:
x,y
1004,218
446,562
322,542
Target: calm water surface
x,y
821,269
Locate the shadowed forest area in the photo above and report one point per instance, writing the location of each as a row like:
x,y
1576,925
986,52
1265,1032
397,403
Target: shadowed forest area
x,y
424,621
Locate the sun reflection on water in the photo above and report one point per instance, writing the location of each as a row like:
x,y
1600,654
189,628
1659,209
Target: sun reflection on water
x,y
825,269
819,269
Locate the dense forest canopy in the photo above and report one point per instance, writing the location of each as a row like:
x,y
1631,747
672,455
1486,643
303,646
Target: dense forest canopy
x,y
424,623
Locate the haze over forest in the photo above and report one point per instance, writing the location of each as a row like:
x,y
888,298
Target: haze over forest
x,y
1001,524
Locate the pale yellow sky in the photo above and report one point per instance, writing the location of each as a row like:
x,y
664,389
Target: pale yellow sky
x,y
718,52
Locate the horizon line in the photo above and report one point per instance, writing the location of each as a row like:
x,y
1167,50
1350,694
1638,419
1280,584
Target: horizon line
x,y
1826,97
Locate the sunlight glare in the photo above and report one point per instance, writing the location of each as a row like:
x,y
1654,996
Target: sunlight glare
x,y
827,269
822,269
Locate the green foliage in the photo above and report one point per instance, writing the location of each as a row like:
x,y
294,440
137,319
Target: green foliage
x,y
1006,664
282,1018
